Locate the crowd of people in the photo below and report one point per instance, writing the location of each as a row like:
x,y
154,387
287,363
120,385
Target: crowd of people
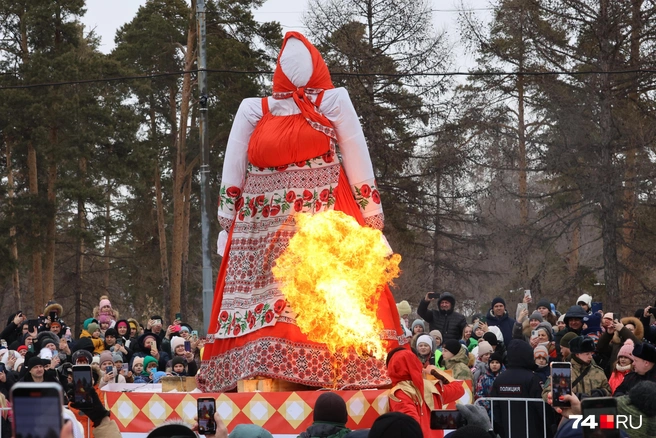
x,y
502,356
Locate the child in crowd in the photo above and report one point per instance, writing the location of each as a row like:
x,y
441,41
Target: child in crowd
x,y
179,367
456,359
118,364
622,366
104,322
493,369
425,350
108,373
137,370
437,339
105,309
93,331
150,367
483,352
541,357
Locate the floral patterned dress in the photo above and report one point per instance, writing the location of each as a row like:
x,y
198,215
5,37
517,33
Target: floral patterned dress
x,y
281,162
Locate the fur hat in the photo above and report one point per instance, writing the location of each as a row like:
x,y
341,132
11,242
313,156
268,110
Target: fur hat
x,y
484,347
585,298
536,315
92,328
540,351
498,300
645,352
581,344
53,306
453,346
404,308
175,342
426,339
330,407
626,350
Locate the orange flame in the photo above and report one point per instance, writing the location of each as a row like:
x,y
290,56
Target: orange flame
x,y
332,275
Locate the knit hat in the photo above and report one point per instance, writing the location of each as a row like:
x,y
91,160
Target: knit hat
x,y
86,323
491,338
497,332
609,315
426,339
565,340
117,357
417,322
92,327
543,303
585,298
168,430
104,302
544,325
498,300
175,341
496,356
540,351
148,360
330,407
178,360
626,350
561,318
111,332
536,315
21,348
186,328
137,360
104,319
575,312
582,344
34,361
106,356
645,352
394,425
436,334
484,347
250,431
121,322
404,308
453,346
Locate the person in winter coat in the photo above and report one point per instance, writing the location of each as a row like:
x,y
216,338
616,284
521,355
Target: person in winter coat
x,y
425,350
329,418
525,325
622,366
544,307
456,359
587,378
449,322
541,356
485,381
498,317
639,402
616,334
483,353
644,359
148,344
412,395
573,324
518,381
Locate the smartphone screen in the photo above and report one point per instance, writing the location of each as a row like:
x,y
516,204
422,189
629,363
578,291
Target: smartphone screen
x,y
42,399
447,419
124,367
561,382
82,381
53,316
187,345
206,409
599,406
178,316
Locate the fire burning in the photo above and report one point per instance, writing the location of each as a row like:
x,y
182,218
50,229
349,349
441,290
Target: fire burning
x,y
332,274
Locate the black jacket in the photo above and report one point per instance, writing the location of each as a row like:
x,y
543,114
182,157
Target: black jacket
x,y
518,381
450,323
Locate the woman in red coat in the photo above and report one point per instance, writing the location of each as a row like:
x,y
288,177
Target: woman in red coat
x,y
415,396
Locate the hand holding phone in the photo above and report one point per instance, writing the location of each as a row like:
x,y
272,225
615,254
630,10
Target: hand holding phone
x,y
561,383
432,295
206,410
598,406
82,383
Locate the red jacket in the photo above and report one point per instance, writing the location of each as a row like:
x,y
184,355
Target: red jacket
x,y
405,370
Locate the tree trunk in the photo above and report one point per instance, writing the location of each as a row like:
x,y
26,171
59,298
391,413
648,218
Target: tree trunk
x,y
15,277
161,231
106,251
184,289
49,271
180,173
81,249
436,233
37,267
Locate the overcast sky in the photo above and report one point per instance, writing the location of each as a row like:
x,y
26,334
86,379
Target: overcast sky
x,y
106,16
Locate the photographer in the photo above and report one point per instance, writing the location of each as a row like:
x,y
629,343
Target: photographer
x,y
449,322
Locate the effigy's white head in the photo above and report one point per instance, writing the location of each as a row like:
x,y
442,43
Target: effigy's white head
x,y
296,62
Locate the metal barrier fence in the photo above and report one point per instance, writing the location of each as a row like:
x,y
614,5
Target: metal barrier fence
x,y
507,409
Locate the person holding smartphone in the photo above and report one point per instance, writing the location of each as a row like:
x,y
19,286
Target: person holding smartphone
x,y
445,319
108,372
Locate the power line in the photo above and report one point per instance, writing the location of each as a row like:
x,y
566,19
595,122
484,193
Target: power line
x,y
268,72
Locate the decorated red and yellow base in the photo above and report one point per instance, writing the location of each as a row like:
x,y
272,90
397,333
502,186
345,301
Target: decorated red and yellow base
x,y
284,414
